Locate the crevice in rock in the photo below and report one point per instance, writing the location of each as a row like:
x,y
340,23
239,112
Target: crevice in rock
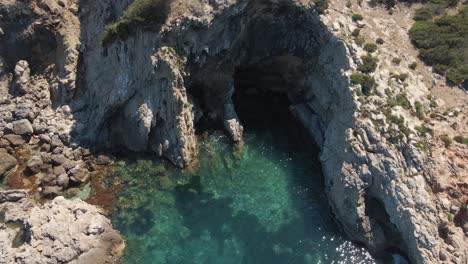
x,y
380,224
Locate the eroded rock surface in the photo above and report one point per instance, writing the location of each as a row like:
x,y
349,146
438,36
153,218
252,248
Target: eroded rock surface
x,y
60,231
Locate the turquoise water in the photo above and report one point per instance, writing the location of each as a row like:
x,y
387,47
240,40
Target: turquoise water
x,y
262,202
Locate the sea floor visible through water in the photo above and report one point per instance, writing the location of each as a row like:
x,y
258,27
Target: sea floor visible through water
x,y
261,202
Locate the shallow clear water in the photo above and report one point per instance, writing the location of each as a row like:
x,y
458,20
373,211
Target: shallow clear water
x,y
259,203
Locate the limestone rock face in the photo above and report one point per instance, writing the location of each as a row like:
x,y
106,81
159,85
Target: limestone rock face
x,y
61,231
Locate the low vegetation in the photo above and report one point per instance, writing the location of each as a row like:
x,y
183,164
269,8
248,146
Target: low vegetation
x,y
396,61
400,100
366,81
321,5
422,145
434,8
370,47
356,32
359,41
424,130
149,14
461,139
402,76
357,17
442,39
447,141
369,64
419,109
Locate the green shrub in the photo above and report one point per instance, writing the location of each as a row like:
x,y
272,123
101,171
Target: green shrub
x,y
439,68
114,31
442,42
141,13
400,100
450,217
453,3
423,130
447,141
369,64
379,41
461,139
388,3
402,76
357,17
370,47
428,12
413,65
458,75
366,81
321,5
359,41
422,145
419,110
356,32
396,61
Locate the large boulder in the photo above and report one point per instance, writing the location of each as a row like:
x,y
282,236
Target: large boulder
x,y
14,140
58,159
79,174
34,164
7,162
22,127
22,76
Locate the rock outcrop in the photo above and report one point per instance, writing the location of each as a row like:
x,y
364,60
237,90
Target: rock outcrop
x,y
60,231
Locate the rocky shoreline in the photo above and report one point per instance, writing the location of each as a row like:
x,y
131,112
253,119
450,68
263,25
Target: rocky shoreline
x,y
60,231
147,93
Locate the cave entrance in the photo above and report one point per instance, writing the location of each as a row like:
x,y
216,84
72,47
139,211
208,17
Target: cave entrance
x,y
256,100
37,49
264,94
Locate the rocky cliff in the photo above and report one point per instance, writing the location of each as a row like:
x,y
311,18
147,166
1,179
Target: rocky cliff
x,y
147,91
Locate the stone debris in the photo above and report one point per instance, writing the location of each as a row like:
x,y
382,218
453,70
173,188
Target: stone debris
x,y
60,231
7,163
22,127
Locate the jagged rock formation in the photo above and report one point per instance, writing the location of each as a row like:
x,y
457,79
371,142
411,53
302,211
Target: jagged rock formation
x,y
60,231
147,93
